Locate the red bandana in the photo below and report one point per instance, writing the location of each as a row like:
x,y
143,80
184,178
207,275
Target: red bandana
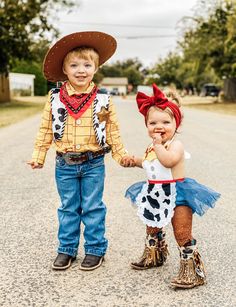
x,y
76,105
159,100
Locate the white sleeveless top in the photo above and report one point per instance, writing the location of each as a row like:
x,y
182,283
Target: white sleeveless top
x,y
154,169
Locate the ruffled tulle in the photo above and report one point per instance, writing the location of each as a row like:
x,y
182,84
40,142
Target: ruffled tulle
x,y
133,191
195,195
189,193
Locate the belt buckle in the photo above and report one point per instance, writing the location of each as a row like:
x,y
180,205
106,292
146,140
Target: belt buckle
x,y
73,158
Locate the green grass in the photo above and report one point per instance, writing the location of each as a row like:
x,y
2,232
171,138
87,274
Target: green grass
x,y
225,108
15,111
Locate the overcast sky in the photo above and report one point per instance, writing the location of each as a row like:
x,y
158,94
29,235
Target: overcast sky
x,y
127,19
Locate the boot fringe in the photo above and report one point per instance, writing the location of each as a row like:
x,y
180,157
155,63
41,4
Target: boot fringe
x,y
154,255
191,272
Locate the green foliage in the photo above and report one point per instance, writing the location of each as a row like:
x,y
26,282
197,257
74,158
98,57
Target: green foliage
x,y
166,71
211,44
98,77
135,63
110,71
130,68
207,49
134,76
35,68
23,22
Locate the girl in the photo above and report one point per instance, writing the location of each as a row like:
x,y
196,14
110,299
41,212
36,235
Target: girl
x,y
168,196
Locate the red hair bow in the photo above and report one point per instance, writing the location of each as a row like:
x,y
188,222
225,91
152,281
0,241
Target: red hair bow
x,y
159,100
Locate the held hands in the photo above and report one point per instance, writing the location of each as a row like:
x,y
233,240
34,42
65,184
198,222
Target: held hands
x,y
34,164
128,161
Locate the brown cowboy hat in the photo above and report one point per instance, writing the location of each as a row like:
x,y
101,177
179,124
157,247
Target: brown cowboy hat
x,y
103,43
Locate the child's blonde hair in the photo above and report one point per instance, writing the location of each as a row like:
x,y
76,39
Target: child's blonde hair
x,y
173,96
86,53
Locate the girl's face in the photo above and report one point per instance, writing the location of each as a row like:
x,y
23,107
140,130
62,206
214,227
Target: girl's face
x,y
160,123
79,71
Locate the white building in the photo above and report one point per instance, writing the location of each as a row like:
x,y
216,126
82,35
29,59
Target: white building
x,y
21,84
115,85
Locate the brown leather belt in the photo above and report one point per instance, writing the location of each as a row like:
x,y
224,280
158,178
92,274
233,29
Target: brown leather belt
x,y
78,158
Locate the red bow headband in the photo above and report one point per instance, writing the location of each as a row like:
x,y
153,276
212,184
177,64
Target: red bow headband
x,y
159,100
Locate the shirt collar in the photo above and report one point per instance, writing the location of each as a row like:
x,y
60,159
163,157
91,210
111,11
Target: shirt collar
x,y
71,91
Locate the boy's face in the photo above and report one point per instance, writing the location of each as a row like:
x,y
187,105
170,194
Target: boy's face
x,y
79,71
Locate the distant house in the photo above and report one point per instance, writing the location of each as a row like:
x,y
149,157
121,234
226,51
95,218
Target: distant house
x,y
21,84
116,86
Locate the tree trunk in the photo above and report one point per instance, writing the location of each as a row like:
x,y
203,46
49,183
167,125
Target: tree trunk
x,y
4,88
230,90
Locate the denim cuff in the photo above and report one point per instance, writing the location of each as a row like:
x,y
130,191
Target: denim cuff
x,y
68,251
95,252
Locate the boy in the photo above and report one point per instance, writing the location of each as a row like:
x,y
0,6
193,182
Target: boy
x,y
82,125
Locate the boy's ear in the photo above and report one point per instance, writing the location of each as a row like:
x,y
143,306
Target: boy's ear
x,y
63,69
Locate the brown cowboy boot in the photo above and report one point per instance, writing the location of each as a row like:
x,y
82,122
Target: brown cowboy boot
x,y
155,252
191,272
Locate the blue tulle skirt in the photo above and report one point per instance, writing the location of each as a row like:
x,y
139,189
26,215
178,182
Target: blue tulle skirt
x,y
189,193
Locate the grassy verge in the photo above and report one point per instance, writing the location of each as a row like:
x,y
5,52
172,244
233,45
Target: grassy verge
x,y
225,108
15,111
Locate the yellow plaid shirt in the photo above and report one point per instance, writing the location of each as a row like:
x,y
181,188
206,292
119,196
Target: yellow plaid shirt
x,y
79,135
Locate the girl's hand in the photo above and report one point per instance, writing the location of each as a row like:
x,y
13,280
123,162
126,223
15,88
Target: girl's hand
x,y
34,164
157,139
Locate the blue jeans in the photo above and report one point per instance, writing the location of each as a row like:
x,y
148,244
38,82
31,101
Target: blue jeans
x,y
80,188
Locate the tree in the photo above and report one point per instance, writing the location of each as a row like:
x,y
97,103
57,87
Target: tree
x,y
23,27
110,70
130,68
35,68
209,45
166,71
134,76
21,24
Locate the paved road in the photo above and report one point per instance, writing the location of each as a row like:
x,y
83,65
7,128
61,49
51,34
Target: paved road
x,y
28,226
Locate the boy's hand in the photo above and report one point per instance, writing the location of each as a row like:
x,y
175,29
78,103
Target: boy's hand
x,y
34,164
128,161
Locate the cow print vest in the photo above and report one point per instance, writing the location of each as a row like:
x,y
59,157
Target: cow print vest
x,y
59,116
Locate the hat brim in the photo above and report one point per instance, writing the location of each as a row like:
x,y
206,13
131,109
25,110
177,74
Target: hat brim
x,y
103,43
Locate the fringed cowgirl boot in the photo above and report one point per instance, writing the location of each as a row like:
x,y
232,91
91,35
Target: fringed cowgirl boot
x,y
191,272
155,252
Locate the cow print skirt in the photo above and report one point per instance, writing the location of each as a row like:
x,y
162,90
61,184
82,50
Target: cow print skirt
x,y
156,202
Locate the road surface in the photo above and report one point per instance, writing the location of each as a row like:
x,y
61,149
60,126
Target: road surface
x,y
28,225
